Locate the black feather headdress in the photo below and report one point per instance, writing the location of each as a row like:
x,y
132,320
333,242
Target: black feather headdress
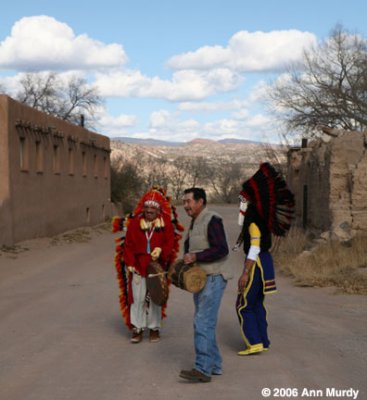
x,y
268,192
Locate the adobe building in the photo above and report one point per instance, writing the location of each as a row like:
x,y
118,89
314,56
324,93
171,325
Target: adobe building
x,y
329,179
54,176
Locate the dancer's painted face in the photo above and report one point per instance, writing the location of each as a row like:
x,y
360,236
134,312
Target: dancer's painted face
x,y
243,208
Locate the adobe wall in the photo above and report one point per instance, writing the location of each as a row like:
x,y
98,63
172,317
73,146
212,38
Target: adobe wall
x,y
348,166
6,231
59,173
308,179
335,174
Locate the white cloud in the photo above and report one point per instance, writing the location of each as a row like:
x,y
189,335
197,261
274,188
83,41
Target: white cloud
x,y
259,121
160,118
259,92
166,125
119,122
241,114
43,43
226,127
248,52
204,58
170,124
114,125
10,84
184,86
212,106
257,127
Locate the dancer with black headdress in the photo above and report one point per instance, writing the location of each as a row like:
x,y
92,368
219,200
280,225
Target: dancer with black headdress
x,y
266,208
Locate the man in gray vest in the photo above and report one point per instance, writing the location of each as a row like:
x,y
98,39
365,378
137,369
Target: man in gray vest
x,y
206,244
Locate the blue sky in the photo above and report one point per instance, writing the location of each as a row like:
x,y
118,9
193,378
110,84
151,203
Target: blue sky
x,y
169,69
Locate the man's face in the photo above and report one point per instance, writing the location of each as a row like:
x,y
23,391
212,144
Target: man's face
x,y
192,207
150,213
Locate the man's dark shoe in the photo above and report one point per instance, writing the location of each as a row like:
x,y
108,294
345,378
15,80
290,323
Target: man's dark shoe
x,y
137,336
195,376
154,336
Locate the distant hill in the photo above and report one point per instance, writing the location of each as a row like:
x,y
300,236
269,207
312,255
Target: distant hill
x,y
244,152
234,141
221,166
147,142
156,142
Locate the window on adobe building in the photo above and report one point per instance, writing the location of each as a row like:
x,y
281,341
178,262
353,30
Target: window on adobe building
x,y
71,160
88,214
56,159
39,157
95,166
84,163
23,154
105,167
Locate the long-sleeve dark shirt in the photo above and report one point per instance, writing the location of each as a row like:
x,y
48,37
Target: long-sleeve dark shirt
x,y
217,242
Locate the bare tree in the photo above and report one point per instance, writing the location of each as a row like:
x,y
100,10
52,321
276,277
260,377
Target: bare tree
x,y
331,87
66,100
225,181
127,183
199,171
179,174
276,154
157,173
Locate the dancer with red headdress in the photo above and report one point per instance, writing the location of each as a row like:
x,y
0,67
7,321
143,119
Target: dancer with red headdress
x,y
266,208
152,234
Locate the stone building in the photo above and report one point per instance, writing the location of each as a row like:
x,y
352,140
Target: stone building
x,y
329,179
54,176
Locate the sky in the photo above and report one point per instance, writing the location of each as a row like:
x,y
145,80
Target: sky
x,y
171,70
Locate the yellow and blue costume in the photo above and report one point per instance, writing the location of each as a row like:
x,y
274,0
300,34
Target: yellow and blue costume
x,y
250,306
268,210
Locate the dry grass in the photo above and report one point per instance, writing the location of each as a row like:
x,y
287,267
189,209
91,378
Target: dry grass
x,y
343,265
16,249
81,235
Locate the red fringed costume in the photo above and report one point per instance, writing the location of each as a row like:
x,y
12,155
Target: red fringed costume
x,y
131,247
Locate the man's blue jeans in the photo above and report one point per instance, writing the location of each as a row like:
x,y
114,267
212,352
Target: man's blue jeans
x,y
207,302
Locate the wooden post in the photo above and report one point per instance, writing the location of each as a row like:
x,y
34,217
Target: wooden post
x,y
305,207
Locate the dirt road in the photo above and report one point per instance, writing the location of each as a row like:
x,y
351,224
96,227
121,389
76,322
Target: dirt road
x,y
61,335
